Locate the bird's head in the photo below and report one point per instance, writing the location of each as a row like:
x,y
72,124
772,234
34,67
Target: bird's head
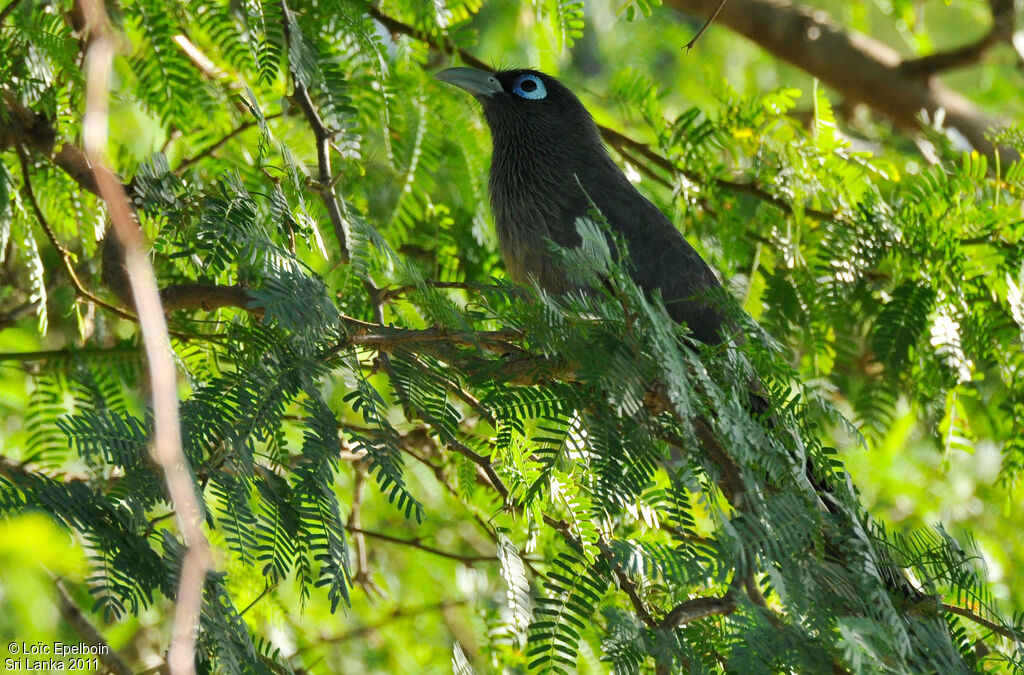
x,y
525,106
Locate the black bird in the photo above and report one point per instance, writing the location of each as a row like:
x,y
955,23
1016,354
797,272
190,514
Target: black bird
x,y
548,167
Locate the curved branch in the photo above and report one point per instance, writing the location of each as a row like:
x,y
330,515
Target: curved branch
x,y
960,57
6,11
217,145
857,66
697,608
1004,18
21,125
62,251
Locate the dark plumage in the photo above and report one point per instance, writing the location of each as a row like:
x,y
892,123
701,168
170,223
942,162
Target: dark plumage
x,y
548,165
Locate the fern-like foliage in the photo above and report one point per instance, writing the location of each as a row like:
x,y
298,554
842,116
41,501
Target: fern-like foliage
x,y
571,482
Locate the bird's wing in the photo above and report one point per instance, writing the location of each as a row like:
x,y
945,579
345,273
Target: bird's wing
x,y
660,259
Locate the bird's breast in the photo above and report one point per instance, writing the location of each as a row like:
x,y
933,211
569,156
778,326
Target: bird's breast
x,y
531,206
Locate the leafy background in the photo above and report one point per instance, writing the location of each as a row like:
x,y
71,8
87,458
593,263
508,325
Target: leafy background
x,y
886,266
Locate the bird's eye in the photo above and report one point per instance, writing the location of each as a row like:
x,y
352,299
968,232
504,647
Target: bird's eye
x,y
529,86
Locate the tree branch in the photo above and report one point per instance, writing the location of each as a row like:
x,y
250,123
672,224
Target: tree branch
x,y
68,354
214,147
88,632
397,613
354,525
167,447
629,588
388,338
19,124
207,297
982,621
961,57
1004,18
414,543
696,609
857,66
6,11
325,179
63,252
483,463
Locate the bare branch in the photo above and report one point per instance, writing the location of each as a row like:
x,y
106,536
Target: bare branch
x,y
396,27
415,543
961,57
65,255
21,125
207,297
698,608
354,525
88,632
167,450
214,147
483,463
325,179
398,613
67,354
629,588
389,293
1004,18
982,621
859,67
388,338
711,19
12,315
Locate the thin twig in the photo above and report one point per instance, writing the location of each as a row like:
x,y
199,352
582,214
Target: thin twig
x,y
65,255
210,149
387,338
325,179
484,524
629,588
377,296
264,593
354,525
11,316
397,613
455,388
414,543
181,297
484,464
714,15
625,583
398,291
